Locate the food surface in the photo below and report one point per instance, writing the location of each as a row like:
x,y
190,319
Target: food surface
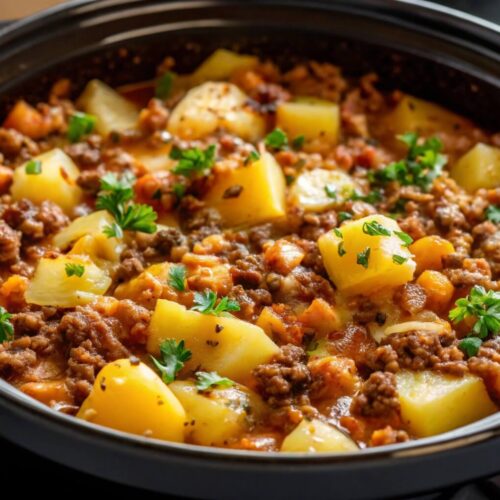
x,y
251,258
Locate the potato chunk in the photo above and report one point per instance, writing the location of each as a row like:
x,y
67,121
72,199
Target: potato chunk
x,y
230,346
344,260
262,195
317,437
114,113
132,398
423,117
87,232
51,286
478,168
309,191
219,414
214,106
315,119
432,403
56,181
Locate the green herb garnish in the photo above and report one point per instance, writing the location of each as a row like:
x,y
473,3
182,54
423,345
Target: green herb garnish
x,y
33,167
253,156
341,250
177,277
193,160
6,328
342,216
298,142
163,85
205,302
173,355
493,214
337,232
470,345
373,228
74,270
363,257
399,259
209,380
80,124
276,139
404,237
331,192
372,197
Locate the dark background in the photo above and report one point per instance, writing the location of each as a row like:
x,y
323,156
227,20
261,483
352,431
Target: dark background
x,y
37,477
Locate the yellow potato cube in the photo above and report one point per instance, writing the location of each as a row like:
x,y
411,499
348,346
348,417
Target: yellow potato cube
x,y
221,65
261,199
224,344
432,403
114,113
424,117
51,286
215,106
314,436
132,398
320,189
315,119
217,415
87,232
353,274
478,168
56,181
154,159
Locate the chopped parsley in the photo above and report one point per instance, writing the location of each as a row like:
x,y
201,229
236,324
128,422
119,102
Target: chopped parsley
x,y
342,216
74,270
80,124
209,380
484,307
372,197
337,232
341,250
298,142
173,355
177,277
404,237
205,302
363,257
163,85
493,214
193,160
399,259
331,192
179,190
423,163
373,228
6,328
33,167
115,197
276,139
470,345
253,156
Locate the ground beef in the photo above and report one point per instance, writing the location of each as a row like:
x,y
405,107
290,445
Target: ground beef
x,y
473,272
388,435
16,358
411,298
449,216
248,271
154,117
10,244
90,181
86,154
131,264
378,396
486,364
285,377
167,243
354,342
420,350
383,358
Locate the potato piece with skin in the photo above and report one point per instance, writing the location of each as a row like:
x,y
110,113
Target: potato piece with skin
x,y
56,181
262,196
132,398
114,113
381,271
215,106
51,286
478,168
218,415
87,232
224,344
315,119
309,190
432,403
429,252
314,436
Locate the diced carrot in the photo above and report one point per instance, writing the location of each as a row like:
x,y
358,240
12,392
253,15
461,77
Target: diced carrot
x,y
321,316
438,288
26,119
283,256
429,252
12,292
48,391
6,175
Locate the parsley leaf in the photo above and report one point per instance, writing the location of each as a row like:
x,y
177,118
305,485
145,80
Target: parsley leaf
x,y
404,237
341,250
179,190
342,216
177,277
74,270
399,259
276,139
253,156
363,257
173,355
163,85
373,228
298,142
33,167
193,160
331,192
482,305
470,345
80,124
493,214
6,328
372,197
338,232
205,302
423,163
208,380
